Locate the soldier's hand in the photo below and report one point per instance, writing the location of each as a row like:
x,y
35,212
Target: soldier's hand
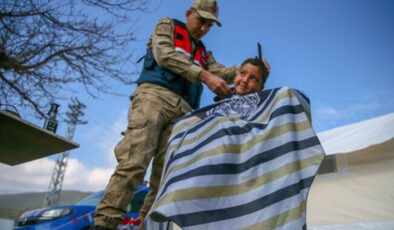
x,y
216,84
267,65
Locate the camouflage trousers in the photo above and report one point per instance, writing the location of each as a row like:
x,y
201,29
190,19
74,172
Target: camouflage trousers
x,y
152,114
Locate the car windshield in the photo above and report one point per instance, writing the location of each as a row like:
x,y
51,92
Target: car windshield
x,y
134,206
93,199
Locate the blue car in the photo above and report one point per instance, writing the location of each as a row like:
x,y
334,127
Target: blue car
x,y
80,215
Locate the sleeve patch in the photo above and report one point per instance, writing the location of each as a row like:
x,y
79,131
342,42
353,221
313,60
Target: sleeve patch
x,y
164,27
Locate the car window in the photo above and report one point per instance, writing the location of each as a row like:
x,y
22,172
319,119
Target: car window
x,y
134,206
137,202
93,199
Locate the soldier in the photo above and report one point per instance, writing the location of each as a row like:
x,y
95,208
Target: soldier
x,y
170,85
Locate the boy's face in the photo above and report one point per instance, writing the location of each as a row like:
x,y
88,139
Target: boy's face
x,y
197,26
248,79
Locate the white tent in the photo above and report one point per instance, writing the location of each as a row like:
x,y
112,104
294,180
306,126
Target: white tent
x,y
356,190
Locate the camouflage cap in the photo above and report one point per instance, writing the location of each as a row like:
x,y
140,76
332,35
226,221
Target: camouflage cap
x,y
207,9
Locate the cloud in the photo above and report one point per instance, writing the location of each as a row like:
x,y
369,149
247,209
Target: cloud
x,y
77,177
36,175
33,176
99,177
326,111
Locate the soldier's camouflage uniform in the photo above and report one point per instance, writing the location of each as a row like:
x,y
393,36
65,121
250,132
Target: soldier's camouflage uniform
x,y
153,112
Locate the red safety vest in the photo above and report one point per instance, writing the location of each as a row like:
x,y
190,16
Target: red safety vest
x,y
182,42
153,73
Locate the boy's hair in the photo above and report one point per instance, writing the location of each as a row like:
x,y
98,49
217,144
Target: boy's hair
x,y
260,65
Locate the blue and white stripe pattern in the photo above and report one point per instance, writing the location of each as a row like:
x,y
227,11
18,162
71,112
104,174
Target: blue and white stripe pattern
x,y
246,163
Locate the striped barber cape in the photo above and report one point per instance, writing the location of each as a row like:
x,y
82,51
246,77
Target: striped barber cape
x,y
245,163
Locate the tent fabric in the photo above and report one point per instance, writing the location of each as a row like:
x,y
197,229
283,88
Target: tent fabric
x,y
380,225
246,163
358,135
360,194
363,194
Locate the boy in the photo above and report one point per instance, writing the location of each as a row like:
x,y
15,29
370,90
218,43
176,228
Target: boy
x,y
251,76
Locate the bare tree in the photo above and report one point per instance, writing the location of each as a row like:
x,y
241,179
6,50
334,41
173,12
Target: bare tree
x,y
51,46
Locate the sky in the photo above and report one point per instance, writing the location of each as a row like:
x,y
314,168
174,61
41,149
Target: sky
x,y
339,52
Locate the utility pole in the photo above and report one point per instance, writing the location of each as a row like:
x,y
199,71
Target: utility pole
x,y
55,186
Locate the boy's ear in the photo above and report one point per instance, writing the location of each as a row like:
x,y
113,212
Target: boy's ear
x,y
262,87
